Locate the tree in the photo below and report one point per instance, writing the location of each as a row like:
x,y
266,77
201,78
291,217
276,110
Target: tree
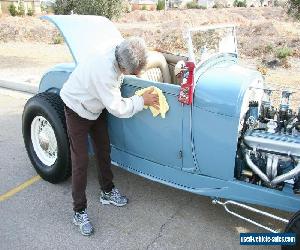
x,y
107,8
64,7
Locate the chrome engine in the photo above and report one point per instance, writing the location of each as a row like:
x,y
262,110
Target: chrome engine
x,y
269,144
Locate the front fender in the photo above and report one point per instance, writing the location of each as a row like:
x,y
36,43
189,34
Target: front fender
x,y
54,79
219,95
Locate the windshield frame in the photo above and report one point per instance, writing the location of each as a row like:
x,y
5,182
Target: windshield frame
x,y
188,36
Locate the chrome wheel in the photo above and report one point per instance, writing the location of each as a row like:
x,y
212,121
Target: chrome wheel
x,y
44,140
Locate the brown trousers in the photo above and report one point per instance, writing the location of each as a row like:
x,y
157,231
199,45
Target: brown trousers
x,y
78,130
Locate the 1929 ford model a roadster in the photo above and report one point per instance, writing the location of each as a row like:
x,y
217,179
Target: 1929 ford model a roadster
x,y
229,143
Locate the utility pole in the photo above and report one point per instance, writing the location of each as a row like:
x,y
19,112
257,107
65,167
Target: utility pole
x,y
165,6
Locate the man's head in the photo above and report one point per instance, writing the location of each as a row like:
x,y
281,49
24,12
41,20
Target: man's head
x,y
131,56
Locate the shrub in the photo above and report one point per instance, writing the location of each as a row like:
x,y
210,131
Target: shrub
x,y
21,9
160,5
240,3
293,8
126,7
48,6
269,48
44,7
12,10
194,5
58,39
30,12
284,52
218,6
144,7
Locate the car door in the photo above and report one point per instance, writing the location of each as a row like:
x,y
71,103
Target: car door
x,y
152,138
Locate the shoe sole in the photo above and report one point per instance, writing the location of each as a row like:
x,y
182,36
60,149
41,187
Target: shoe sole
x,y
106,202
84,234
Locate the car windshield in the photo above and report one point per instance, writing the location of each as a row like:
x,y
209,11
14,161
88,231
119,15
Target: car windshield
x,y
208,41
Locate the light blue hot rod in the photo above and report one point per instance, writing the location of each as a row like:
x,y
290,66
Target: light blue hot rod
x,y
230,143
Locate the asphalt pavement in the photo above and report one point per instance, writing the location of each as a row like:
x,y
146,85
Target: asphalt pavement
x,y
157,216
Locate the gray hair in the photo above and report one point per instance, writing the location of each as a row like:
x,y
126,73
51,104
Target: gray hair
x,y
131,55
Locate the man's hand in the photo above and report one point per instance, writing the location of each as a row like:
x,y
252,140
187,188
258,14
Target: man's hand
x,y
151,99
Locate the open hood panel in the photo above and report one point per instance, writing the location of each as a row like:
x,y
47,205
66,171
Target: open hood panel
x,y
85,34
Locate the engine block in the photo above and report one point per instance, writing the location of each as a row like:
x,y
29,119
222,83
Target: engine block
x,y
273,142
269,144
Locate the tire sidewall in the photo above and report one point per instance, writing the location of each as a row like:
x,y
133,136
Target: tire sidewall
x,y
293,224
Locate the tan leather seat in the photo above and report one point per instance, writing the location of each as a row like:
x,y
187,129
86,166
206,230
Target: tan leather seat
x,y
156,69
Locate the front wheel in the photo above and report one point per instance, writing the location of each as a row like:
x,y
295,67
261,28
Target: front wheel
x,y
45,137
293,227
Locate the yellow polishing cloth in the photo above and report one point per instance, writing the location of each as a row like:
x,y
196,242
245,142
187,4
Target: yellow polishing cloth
x,y
163,104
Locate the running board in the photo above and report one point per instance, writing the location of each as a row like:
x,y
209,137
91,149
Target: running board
x,y
252,209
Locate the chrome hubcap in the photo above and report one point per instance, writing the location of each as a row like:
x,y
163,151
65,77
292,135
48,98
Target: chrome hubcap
x,y
44,140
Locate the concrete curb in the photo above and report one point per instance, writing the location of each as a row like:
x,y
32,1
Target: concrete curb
x,y
22,87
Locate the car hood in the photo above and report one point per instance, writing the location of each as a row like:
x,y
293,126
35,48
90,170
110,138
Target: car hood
x,y
221,88
85,34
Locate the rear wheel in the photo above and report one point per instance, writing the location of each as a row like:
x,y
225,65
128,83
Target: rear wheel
x,y
45,137
293,227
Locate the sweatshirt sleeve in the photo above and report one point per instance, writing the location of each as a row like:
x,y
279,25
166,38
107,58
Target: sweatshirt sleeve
x,y
110,96
104,85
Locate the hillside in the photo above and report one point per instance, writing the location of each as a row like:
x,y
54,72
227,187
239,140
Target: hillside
x,y
261,32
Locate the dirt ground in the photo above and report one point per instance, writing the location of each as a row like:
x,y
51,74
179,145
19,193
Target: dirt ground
x,y
28,61
27,46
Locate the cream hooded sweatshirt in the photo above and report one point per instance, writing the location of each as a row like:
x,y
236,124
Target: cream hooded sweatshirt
x,y
95,84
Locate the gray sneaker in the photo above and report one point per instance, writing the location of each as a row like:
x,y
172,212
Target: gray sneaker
x,y
81,219
113,197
